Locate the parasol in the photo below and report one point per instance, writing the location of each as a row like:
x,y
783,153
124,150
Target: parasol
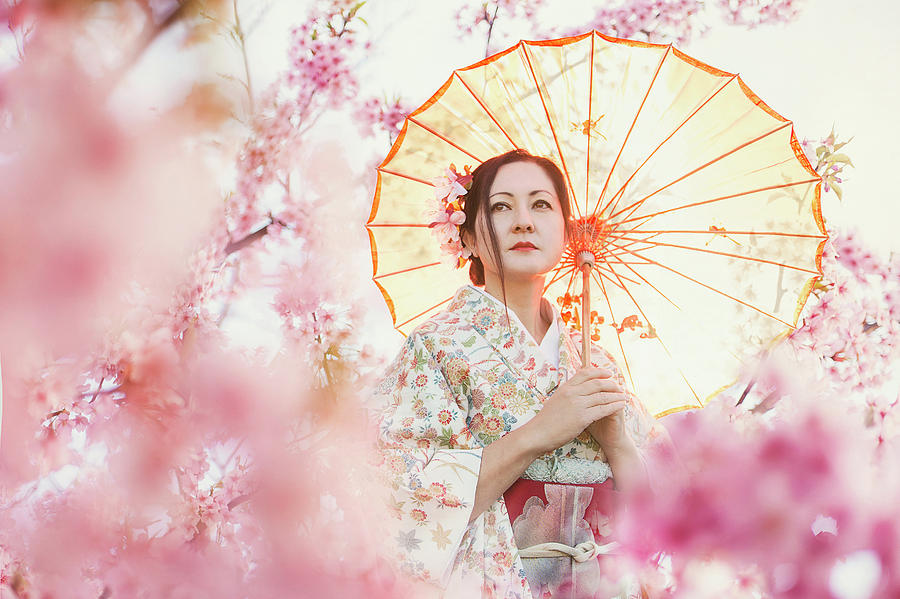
x,y
696,211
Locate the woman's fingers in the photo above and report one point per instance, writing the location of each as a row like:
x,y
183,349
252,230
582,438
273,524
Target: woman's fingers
x,y
601,411
587,374
598,399
593,386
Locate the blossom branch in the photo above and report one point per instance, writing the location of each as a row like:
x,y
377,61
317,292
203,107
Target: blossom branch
x,y
150,34
490,21
240,35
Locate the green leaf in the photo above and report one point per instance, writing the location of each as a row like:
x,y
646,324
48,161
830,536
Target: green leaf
x,y
840,158
445,435
837,190
420,357
355,8
819,151
469,342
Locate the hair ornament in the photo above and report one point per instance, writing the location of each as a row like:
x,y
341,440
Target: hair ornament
x,y
446,214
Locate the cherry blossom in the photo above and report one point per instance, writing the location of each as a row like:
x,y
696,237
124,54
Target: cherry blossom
x,y
659,21
376,114
752,13
656,20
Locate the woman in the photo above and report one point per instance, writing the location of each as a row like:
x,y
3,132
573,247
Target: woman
x,y
492,432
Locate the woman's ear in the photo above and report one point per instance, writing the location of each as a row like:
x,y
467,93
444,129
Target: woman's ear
x,y
468,242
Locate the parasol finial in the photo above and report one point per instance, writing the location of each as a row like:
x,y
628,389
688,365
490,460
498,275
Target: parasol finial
x,y
588,238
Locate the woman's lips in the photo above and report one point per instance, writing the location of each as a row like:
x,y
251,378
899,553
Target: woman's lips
x,y
523,246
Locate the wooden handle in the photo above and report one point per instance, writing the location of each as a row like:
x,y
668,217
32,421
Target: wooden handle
x,y
586,315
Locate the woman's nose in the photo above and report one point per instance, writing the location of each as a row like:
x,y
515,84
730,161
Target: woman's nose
x,y
523,221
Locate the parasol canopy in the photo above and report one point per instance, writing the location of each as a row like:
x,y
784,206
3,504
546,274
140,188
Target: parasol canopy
x,y
694,196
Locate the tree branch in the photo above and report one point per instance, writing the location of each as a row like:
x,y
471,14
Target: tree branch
x,y
150,34
236,246
239,31
487,44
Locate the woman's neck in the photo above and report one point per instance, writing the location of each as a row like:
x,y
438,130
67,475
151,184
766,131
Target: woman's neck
x,y
524,297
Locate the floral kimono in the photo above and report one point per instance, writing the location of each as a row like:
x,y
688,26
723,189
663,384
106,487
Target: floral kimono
x,y
462,380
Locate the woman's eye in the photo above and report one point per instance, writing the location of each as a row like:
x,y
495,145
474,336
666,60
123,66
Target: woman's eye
x,y
542,204
498,207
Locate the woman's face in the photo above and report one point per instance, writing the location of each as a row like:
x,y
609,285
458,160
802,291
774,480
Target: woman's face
x,y
527,219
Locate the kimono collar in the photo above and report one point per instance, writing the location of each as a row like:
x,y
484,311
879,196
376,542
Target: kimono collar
x,y
513,342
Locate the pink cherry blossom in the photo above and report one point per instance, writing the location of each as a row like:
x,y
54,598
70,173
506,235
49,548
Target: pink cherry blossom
x,y
752,13
376,114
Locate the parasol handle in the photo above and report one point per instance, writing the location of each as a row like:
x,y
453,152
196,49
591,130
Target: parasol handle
x,y
586,316
585,261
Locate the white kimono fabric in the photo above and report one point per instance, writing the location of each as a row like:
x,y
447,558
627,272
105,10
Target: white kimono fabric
x,y
462,380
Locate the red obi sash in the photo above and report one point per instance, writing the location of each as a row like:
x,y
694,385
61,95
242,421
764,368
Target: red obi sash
x,y
564,535
604,501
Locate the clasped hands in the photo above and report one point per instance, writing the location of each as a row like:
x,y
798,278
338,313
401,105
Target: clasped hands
x,y
592,399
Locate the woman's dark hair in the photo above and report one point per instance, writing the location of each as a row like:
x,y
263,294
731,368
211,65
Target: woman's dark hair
x,y
477,200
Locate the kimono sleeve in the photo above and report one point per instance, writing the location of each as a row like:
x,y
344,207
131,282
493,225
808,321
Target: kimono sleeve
x,y
430,460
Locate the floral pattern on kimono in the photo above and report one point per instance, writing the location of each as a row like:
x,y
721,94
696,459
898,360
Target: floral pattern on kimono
x,y
463,379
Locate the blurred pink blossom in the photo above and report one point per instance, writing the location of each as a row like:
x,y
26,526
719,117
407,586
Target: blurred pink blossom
x,y
657,20
86,200
752,13
476,15
319,77
749,496
376,114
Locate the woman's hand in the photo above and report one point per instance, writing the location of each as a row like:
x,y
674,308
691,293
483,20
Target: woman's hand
x,y
589,396
609,431
618,447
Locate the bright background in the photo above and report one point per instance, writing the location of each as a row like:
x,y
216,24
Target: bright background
x,y
832,66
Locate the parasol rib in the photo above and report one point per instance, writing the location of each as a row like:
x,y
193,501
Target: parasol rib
x,y
621,190
774,164
560,273
624,248
605,266
742,302
569,262
719,199
618,334
439,136
665,349
486,109
727,254
397,272
397,225
641,277
559,151
631,128
608,267
587,178
410,177
599,272
725,232
703,166
423,312
571,280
